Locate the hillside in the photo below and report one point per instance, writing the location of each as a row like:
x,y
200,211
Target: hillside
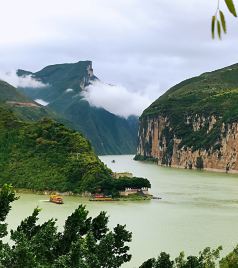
x,y
194,124
108,133
24,107
43,154
47,156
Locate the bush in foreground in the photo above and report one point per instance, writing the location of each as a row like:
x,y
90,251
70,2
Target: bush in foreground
x,y
85,242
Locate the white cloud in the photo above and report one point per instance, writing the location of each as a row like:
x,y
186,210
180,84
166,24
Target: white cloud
x,y
130,42
41,102
118,99
21,81
69,90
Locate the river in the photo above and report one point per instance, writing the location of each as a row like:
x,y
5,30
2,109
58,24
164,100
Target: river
x,y
197,209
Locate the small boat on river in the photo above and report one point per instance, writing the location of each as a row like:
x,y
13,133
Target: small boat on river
x,y
101,197
57,199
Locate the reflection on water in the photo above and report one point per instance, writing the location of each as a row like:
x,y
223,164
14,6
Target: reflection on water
x,y
197,209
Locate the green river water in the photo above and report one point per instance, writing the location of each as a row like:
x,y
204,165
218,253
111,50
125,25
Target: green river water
x,y
197,209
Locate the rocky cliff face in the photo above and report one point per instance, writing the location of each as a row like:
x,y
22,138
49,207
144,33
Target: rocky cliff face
x,y
194,124
157,141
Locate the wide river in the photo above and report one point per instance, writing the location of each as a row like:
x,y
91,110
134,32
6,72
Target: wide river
x,y
197,209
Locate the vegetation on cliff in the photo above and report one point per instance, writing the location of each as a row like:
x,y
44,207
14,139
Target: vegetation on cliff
x,y
210,94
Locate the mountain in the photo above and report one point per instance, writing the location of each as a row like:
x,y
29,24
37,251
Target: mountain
x,y
44,154
108,133
194,124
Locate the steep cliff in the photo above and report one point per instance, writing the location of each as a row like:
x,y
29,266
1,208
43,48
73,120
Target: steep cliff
x,y
194,124
64,83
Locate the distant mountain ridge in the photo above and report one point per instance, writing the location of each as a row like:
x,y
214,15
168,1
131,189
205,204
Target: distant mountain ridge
x,y
108,133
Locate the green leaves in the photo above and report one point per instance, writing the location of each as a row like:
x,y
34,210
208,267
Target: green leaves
x,y
219,28
230,5
223,21
84,243
213,26
219,21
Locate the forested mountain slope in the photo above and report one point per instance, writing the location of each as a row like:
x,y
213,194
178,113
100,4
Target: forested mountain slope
x,y
64,84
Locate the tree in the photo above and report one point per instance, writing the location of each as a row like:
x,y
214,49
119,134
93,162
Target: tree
x,y
206,259
85,242
231,260
163,261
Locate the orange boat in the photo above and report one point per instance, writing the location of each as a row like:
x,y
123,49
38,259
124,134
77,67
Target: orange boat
x,y
57,199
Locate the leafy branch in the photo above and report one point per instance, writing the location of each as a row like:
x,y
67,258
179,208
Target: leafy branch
x,y
219,21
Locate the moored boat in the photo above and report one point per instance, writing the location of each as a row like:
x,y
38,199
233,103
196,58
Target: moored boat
x,y
101,197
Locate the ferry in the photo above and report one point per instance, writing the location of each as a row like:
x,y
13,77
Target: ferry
x,y
101,197
57,199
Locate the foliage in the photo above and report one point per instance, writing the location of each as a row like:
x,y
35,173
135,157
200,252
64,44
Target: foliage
x,y
6,197
45,155
231,260
206,259
113,187
85,242
219,21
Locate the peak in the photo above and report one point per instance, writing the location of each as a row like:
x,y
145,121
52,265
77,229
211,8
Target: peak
x,y
21,72
84,62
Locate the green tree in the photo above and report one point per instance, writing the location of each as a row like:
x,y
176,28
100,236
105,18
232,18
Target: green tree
x,y
85,242
231,260
163,261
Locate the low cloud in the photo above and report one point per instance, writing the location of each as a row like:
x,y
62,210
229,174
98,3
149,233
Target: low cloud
x,y
27,81
69,90
118,99
41,102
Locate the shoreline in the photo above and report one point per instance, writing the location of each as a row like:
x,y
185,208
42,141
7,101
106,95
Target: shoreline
x,y
204,169
213,170
84,196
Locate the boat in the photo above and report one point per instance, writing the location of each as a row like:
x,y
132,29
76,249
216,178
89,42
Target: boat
x,y
57,199
113,161
156,197
101,197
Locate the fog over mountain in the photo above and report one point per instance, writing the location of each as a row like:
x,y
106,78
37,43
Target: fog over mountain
x,y
131,43
119,100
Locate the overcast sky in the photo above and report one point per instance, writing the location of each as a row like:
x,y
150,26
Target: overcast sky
x,y
143,46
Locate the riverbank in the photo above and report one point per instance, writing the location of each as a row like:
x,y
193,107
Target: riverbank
x,y
150,161
85,196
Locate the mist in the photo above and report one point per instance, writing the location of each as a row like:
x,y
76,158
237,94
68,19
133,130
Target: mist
x,y
27,81
118,99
